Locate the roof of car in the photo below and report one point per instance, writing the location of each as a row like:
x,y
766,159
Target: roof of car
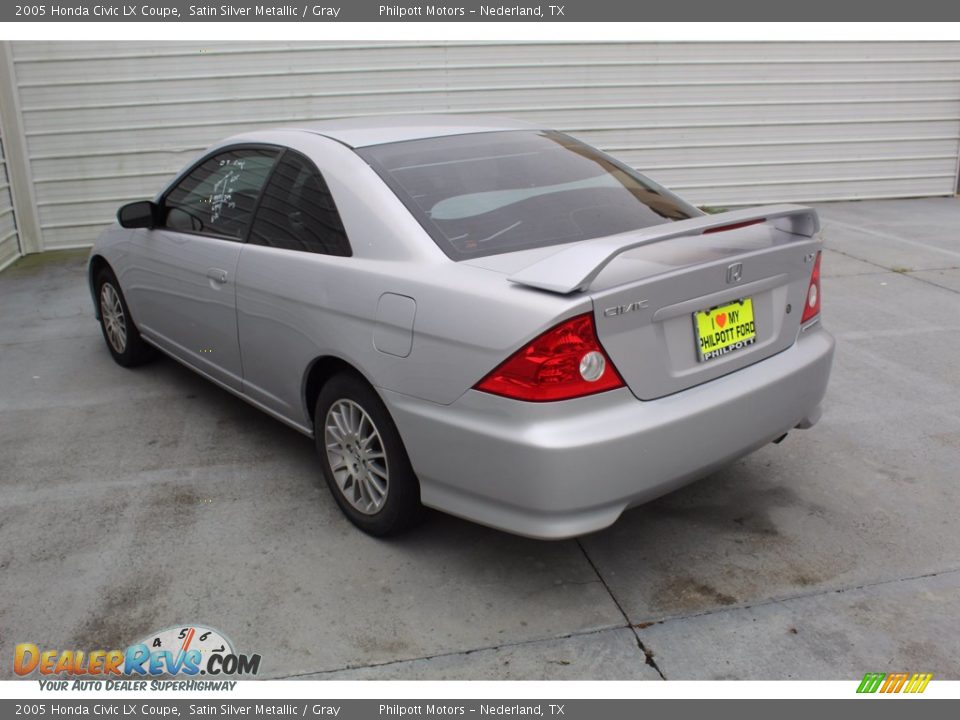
x,y
365,131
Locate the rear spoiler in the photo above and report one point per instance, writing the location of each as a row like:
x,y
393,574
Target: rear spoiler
x,y
576,267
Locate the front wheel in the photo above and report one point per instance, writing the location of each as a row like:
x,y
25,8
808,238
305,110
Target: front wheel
x,y
363,459
121,335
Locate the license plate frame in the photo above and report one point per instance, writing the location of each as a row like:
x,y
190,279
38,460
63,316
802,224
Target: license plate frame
x,y
724,329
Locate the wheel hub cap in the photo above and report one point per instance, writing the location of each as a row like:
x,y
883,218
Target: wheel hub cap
x,y
114,321
357,457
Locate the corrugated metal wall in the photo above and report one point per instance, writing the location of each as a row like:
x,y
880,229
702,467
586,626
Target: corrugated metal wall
x,y
9,242
722,123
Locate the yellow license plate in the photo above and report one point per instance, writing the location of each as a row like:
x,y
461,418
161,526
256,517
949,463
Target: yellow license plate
x,y
724,329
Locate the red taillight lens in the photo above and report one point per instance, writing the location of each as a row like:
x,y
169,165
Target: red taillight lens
x,y
565,362
811,307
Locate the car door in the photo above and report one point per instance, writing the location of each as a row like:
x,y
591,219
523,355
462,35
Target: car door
x,y
183,282
297,244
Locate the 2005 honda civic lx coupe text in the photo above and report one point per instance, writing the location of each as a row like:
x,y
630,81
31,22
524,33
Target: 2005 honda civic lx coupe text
x,y
479,316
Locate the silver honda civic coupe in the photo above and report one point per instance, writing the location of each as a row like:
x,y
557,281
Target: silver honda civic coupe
x,y
479,316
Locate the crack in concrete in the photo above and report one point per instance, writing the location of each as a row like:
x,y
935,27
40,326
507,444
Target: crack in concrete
x,y
647,652
789,598
452,653
882,270
885,269
931,282
889,236
38,341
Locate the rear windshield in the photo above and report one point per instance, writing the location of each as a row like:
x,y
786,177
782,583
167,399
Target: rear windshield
x,y
491,193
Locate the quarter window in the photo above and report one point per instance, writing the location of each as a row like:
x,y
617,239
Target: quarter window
x,y
298,212
218,196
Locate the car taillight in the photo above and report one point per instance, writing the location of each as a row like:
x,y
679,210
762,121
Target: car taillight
x,y
734,226
811,307
565,362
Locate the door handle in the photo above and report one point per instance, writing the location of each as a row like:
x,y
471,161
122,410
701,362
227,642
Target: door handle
x,y
217,275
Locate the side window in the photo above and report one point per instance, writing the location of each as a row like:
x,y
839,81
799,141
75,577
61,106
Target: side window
x,y
297,211
218,196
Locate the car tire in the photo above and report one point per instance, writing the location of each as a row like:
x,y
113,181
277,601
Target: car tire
x,y
123,339
363,459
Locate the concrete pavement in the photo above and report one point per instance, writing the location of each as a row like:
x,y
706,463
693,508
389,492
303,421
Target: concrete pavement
x,y
135,500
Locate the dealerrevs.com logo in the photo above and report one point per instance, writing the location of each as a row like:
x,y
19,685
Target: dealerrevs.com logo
x,y
183,651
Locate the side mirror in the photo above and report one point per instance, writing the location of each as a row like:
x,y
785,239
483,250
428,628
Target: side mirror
x,y
140,214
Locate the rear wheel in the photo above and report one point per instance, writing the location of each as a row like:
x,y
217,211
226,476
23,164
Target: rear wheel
x,y
363,459
121,335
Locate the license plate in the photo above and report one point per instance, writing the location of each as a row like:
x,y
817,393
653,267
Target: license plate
x,y
724,329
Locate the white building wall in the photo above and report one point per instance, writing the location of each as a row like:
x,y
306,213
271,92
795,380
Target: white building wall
x,y
9,242
721,123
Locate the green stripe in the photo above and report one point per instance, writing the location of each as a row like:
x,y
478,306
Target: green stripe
x,y
871,682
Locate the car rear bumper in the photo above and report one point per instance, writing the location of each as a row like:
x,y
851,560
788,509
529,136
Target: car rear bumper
x,y
555,470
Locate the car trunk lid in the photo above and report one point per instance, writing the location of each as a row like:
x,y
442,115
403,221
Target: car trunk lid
x,y
647,287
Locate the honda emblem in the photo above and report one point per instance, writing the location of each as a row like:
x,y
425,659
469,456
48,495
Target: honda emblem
x,y
734,273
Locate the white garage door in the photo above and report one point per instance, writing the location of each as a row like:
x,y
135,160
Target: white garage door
x,y
9,242
723,123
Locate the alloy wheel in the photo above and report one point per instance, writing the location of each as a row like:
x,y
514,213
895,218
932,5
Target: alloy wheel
x,y
114,320
357,456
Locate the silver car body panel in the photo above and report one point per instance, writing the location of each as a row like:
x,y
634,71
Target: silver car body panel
x,y
554,470
182,286
423,330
